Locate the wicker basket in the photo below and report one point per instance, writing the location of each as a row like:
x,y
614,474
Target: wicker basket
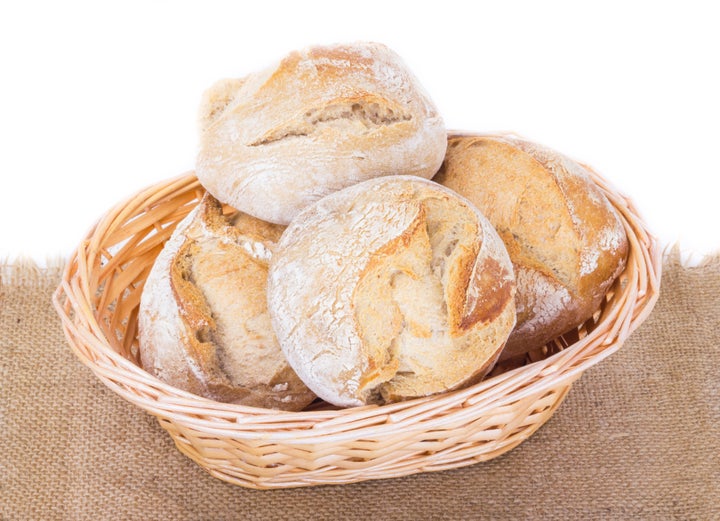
x,y
98,303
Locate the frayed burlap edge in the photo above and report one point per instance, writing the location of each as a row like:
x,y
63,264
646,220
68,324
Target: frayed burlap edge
x,y
24,271
673,258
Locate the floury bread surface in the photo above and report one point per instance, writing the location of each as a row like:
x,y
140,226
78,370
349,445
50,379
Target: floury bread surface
x,y
391,289
322,119
204,325
565,239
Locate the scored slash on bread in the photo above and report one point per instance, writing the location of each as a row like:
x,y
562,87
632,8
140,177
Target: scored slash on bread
x,y
566,241
204,325
320,120
391,289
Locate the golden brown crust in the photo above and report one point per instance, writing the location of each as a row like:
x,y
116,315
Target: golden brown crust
x,y
193,307
216,100
495,280
217,340
566,241
379,292
322,119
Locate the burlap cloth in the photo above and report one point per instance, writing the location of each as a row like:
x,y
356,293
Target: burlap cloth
x,y
637,438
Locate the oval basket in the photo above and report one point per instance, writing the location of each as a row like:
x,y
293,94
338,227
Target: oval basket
x,y
98,301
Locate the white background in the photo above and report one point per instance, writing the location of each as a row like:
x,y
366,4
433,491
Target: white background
x,y
99,100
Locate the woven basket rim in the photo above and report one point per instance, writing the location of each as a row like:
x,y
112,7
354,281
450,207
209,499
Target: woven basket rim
x,y
153,395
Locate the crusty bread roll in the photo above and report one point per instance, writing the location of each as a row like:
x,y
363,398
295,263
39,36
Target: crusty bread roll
x,y
322,119
203,322
390,289
565,239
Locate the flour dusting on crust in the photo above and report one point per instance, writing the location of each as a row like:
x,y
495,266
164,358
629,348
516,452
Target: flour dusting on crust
x,y
159,319
377,293
545,301
320,120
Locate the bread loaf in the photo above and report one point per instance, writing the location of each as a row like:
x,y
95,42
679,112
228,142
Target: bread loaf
x,y
565,239
203,320
390,289
322,119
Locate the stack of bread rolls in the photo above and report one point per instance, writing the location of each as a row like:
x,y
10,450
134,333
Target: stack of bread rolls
x,y
349,249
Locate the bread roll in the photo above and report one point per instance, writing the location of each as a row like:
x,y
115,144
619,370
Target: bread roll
x,y
322,119
390,289
565,239
203,321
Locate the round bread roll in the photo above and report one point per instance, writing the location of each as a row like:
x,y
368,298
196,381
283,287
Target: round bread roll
x,y
391,289
322,119
565,239
203,321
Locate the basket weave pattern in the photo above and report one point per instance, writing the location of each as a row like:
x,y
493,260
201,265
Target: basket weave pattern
x,y
98,302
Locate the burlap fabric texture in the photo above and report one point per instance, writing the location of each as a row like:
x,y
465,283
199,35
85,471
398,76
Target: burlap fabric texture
x,y
637,438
